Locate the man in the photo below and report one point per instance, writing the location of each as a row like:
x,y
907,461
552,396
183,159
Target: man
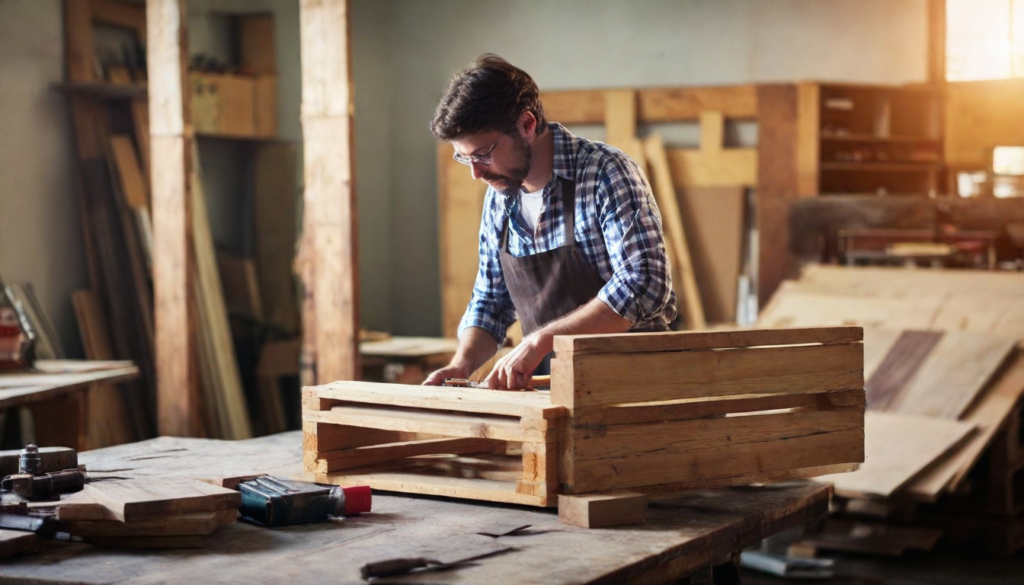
x,y
570,239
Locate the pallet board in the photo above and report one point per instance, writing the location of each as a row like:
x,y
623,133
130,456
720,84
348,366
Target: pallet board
x,y
653,413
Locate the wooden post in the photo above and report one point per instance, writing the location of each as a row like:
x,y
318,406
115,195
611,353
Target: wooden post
x,y
937,41
329,258
178,397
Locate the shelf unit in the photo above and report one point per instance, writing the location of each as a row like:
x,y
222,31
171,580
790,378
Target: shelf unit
x,y
868,139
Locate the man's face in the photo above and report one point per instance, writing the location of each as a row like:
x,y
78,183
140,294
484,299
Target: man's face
x,y
505,167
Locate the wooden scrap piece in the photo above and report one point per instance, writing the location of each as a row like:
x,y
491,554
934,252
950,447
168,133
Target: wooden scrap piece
x,y
603,510
145,499
196,524
897,448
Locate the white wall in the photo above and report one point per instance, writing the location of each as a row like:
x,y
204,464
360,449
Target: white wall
x,y
40,236
567,44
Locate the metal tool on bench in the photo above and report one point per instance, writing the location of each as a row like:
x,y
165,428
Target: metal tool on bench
x,y
399,566
270,501
33,482
535,382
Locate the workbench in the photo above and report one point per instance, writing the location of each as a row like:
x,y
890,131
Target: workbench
x,y
683,536
57,395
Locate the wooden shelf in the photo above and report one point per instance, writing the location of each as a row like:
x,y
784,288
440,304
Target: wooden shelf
x,y
902,167
103,90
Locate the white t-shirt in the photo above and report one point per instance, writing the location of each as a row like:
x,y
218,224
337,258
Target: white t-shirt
x,y
530,205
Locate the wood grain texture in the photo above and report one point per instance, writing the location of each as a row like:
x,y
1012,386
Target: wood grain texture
x,y
139,499
603,510
626,378
634,455
480,400
901,363
953,374
685,340
675,233
178,408
897,448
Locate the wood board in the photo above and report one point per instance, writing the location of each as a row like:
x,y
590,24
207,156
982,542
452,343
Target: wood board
x,y
133,500
714,221
897,448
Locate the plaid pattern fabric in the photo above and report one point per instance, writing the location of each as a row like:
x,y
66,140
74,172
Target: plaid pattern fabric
x,y
618,230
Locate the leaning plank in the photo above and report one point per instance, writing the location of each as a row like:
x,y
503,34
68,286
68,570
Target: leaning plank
x,y
953,373
437,423
678,341
990,413
593,380
897,448
675,233
331,461
630,456
481,400
603,510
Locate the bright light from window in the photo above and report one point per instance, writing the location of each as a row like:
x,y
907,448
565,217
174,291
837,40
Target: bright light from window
x,y
984,39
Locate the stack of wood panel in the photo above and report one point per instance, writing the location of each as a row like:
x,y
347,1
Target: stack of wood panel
x,y
165,512
944,371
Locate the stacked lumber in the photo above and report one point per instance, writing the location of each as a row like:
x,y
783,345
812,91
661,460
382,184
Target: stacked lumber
x,y
944,381
162,512
644,414
110,115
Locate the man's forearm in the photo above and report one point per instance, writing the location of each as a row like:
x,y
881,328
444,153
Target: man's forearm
x,y
593,317
476,346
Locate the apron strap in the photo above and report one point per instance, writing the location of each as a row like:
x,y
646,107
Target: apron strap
x,y
568,215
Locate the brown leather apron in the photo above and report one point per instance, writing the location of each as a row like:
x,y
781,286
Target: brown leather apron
x,y
549,285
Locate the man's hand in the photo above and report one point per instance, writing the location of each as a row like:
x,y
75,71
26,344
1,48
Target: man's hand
x,y
438,377
513,372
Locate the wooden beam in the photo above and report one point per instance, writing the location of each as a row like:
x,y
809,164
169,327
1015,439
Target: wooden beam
x,y
177,390
603,510
330,240
937,41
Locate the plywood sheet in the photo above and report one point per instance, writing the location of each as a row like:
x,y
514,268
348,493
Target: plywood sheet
x,y
714,222
897,448
950,378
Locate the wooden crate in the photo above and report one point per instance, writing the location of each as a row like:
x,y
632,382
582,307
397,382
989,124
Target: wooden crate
x,y
650,413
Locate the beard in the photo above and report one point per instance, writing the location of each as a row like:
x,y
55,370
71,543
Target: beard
x,y
511,184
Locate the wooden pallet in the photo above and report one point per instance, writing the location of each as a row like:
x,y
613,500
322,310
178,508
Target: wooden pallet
x,y
653,414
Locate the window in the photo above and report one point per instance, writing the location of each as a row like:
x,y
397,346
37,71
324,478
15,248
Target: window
x,y
984,39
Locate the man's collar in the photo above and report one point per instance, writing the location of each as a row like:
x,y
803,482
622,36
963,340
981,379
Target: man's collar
x,y
565,152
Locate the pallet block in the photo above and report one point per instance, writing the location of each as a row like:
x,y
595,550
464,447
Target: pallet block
x,y
652,413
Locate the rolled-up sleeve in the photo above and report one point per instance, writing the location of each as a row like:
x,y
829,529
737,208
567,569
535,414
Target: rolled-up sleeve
x,y
640,288
490,307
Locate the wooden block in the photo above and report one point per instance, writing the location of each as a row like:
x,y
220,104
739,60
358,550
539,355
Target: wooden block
x,y
595,380
198,524
678,340
144,499
603,510
715,222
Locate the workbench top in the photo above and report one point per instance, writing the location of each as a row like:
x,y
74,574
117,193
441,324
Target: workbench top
x,y
681,535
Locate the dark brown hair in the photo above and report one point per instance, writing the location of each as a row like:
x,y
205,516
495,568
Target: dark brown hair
x,y
489,95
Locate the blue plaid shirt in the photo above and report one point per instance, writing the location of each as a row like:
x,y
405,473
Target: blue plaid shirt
x,y
618,230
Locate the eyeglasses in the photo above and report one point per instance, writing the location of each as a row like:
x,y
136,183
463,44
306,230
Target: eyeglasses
x,y
480,159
